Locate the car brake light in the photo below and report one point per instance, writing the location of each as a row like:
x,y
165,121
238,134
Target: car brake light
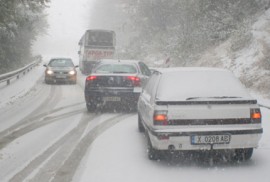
x,y
136,81
90,78
255,115
160,118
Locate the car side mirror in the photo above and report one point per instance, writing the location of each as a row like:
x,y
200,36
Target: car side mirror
x,y
76,66
45,65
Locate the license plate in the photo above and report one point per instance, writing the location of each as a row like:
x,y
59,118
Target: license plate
x,y
111,99
137,90
60,76
210,139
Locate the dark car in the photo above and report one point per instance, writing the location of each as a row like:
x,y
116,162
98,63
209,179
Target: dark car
x,y
60,70
116,82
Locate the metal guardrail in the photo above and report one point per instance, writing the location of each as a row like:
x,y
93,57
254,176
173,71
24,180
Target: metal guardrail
x,y
7,77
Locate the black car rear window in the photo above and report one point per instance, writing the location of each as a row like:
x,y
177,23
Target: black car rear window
x,y
116,68
61,63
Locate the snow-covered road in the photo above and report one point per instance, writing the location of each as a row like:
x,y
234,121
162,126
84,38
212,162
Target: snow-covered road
x,y
46,134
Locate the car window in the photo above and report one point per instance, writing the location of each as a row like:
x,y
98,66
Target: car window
x,y
116,68
199,84
61,63
150,87
145,70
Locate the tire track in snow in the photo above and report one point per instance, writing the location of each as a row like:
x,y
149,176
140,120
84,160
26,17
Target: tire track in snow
x,y
68,169
69,149
29,124
19,132
50,101
48,153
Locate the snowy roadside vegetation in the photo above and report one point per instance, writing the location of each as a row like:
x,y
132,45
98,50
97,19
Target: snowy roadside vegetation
x,y
250,61
21,21
232,34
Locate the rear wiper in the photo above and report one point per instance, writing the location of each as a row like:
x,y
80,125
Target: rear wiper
x,y
120,72
218,97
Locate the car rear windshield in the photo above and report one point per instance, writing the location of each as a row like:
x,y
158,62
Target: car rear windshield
x,y
200,85
116,68
61,63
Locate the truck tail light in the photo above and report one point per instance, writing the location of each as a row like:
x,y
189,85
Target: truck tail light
x,y
255,115
136,81
160,118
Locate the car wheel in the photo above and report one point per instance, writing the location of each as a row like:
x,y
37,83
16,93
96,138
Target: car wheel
x,y
47,82
91,107
153,154
243,154
140,125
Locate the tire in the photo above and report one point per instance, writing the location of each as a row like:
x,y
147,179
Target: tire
x,y
153,154
91,107
243,154
140,125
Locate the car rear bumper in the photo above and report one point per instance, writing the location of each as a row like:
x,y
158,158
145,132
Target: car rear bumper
x,y
183,140
112,96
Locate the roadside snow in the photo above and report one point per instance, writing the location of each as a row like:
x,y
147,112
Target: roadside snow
x,y
19,88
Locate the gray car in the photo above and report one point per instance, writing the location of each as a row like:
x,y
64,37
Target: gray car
x,y
60,70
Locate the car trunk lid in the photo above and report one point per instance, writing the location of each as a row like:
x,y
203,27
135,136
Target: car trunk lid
x,y
115,80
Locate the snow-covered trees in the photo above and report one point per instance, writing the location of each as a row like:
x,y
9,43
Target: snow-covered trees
x,y
20,22
179,28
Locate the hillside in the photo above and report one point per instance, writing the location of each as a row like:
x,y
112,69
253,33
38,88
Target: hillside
x,y
250,61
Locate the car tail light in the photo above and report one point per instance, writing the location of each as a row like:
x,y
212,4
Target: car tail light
x,y
136,81
255,115
91,78
160,118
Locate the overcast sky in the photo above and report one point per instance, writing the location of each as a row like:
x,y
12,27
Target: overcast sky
x,y
68,20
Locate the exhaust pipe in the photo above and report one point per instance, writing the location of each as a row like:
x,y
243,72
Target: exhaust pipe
x,y
171,148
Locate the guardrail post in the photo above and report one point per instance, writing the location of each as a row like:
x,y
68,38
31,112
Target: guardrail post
x,y
8,82
18,76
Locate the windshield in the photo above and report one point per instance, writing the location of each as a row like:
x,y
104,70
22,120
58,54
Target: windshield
x,y
98,90
61,63
205,84
115,68
100,38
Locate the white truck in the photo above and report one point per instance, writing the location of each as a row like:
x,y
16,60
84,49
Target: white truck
x,y
95,45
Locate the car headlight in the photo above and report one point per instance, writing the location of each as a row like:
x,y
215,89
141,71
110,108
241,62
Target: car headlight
x,y
49,72
72,72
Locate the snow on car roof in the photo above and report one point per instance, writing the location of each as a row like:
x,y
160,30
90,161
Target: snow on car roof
x,y
118,60
60,58
190,83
